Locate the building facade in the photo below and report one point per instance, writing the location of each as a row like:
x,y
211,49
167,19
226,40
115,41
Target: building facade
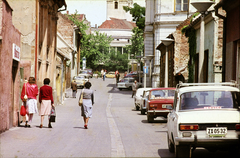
x,y
229,12
10,52
162,18
37,21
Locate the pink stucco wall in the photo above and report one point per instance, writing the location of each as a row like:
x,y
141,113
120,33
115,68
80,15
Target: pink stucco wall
x,y
9,79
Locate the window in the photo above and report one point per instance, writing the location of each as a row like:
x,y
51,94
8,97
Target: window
x,y
115,5
181,5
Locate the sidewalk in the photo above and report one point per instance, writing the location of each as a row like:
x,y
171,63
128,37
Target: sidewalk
x,y
67,138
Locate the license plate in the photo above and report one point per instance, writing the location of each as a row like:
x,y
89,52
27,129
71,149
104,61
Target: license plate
x,y
165,105
217,131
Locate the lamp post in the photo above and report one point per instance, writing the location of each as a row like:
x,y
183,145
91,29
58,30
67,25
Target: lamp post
x,y
166,42
139,70
149,57
201,7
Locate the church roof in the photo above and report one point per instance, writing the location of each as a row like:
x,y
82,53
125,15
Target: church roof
x,y
117,24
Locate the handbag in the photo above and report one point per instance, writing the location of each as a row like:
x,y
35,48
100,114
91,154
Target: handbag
x,y
52,116
23,110
81,99
25,96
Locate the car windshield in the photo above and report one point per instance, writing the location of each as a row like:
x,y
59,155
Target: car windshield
x,y
83,72
78,77
158,94
128,80
209,100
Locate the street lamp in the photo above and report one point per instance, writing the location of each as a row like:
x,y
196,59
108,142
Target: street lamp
x,y
201,7
166,42
139,70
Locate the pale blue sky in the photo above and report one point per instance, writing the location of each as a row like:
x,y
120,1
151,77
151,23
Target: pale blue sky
x,y
95,10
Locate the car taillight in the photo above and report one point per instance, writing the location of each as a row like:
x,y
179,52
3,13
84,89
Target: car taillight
x,y
237,127
188,127
153,105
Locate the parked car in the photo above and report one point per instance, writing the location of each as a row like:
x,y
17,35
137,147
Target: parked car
x,y
204,115
158,101
85,73
110,74
89,71
126,83
138,97
80,80
143,102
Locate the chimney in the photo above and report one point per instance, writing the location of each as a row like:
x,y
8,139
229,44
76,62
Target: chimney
x,y
96,26
67,12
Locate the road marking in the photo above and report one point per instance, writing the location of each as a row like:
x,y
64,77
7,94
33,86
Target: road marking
x,y
117,149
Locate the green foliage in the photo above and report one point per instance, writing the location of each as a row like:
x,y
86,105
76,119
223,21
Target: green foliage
x,y
191,34
137,46
94,47
138,14
116,61
194,15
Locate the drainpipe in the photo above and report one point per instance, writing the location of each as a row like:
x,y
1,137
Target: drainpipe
x,y
36,40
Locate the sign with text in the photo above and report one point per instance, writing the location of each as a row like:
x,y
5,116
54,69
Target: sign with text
x,y
16,52
145,69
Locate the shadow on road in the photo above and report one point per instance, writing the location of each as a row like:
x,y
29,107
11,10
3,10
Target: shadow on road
x,y
116,90
164,153
155,121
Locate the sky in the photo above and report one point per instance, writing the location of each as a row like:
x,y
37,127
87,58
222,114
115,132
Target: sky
x,y
95,10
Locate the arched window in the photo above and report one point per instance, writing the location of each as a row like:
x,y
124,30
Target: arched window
x,y
115,5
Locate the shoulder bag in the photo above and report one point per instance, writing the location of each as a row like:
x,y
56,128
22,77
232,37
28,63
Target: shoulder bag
x,y
25,96
81,99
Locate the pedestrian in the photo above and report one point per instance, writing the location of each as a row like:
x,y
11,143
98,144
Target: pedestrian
x,y
30,89
134,88
102,72
104,75
46,101
117,77
88,101
74,89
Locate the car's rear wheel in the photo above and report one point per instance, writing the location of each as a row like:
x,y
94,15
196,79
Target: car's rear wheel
x,y
137,107
120,89
142,112
170,145
150,118
183,151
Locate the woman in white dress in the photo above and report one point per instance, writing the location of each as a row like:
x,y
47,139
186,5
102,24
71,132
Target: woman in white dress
x,y
88,101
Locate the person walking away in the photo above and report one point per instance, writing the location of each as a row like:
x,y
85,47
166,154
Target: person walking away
x,y
102,72
134,88
117,77
104,75
88,101
31,103
74,89
46,101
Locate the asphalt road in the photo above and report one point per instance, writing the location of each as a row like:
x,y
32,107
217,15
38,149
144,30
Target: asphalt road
x,y
115,130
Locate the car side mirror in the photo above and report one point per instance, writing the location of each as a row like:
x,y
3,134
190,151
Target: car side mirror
x,y
169,107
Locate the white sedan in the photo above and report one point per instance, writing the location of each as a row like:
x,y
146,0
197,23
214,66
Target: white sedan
x,y
138,97
204,115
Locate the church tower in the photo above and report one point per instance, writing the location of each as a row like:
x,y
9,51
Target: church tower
x,y
115,9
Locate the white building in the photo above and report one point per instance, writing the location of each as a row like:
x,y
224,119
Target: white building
x,y
162,17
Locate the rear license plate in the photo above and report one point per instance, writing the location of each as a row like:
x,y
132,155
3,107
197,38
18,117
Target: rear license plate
x,y
217,131
165,105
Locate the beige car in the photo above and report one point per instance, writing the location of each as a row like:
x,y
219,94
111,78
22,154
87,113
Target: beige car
x,y
110,75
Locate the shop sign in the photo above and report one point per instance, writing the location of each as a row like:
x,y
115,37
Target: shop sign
x,y
16,52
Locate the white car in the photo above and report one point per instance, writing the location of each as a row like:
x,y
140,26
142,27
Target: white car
x,y
138,97
143,102
204,115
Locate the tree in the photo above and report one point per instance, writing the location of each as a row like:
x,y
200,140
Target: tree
x,y
93,46
138,14
137,46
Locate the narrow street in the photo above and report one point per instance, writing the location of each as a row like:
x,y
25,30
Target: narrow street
x,y
115,130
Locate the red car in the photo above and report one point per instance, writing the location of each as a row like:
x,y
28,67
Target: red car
x,y
158,101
